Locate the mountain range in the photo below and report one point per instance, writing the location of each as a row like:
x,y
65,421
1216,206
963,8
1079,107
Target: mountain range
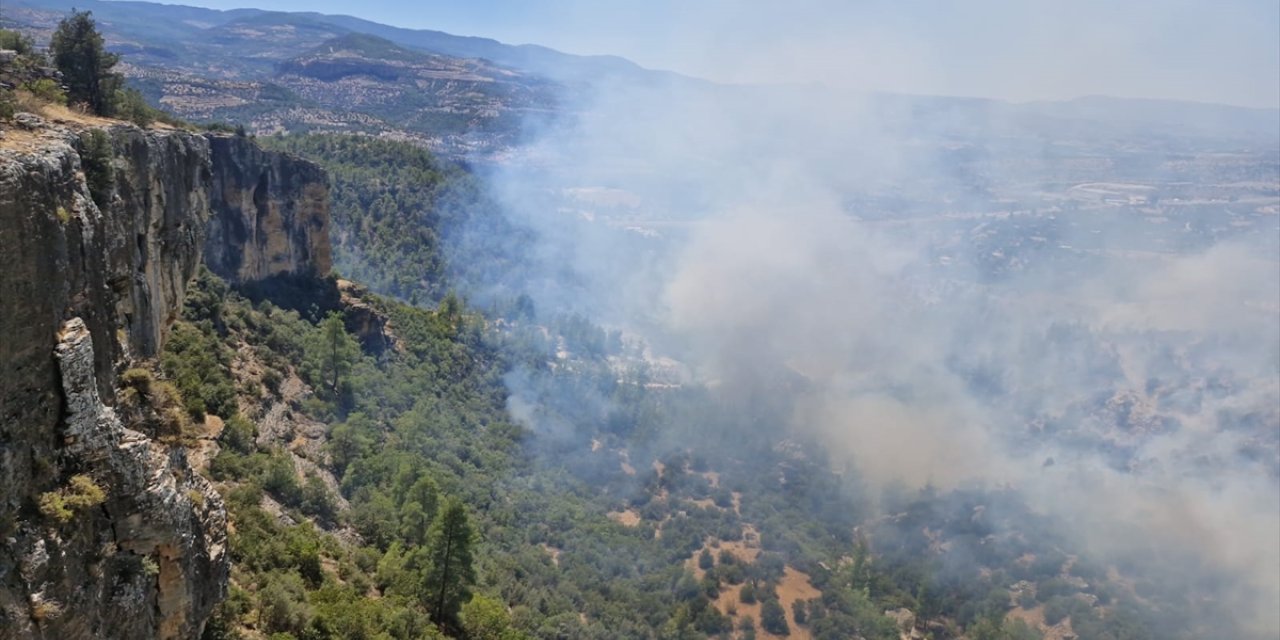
x,y
470,96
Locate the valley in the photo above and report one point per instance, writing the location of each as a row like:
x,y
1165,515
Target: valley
x,y
391,333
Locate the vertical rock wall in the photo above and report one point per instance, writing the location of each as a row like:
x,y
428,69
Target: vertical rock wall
x,y
272,213
84,292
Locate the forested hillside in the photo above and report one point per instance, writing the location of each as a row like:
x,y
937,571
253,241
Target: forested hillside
x,y
418,438
405,494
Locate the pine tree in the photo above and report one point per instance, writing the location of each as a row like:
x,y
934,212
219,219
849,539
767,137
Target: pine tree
x,y
85,64
449,571
333,335
415,521
331,354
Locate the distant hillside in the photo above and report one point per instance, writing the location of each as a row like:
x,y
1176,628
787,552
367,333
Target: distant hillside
x,y
305,72
554,64
463,96
1198,117
434,94
150,21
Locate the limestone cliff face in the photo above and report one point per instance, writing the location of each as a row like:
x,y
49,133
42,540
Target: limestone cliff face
x,y
273,213
85,291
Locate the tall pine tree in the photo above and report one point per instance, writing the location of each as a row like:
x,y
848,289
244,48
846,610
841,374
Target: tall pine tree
x,y
85,64
446,585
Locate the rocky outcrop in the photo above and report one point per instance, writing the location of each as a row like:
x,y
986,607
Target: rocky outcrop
x,y
272,213
149,561
906,621
86,289
366,322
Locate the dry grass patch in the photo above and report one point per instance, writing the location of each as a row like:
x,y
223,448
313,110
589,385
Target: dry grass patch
x,y
628,518
61,113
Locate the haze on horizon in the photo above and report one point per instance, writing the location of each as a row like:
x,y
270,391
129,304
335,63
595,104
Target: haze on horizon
x,y
1221,52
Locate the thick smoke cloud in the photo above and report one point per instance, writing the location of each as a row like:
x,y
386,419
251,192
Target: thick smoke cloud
x,y
954,314
811,290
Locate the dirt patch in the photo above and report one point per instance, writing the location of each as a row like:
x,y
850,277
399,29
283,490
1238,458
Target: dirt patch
x,y
628,518
247,369
707,503
937,545
745,550
554,552
657,531
730,604
276,510
1071,562
1035,619
20,140
715,547
330,566
56,116
625,462
1131,588
794,586
61,114
281,422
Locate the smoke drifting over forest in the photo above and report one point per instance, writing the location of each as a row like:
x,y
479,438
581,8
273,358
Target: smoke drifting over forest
x,y
924,286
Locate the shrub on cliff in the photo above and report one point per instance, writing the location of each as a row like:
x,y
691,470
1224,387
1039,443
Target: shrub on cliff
x,y
95,159
80,493
22,67
133,107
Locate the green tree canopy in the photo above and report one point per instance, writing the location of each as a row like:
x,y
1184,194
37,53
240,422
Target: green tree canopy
x,y
773,618
449,570
330,354
86,66
485,618
15,41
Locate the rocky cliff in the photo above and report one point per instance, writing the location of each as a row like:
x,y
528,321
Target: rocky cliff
x,y
273,213
105,532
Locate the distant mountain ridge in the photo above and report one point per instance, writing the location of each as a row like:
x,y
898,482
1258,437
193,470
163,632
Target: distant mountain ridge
x,y
461,95
142,20
276,72
1164,112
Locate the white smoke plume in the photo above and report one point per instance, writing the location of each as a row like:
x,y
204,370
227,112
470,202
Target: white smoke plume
x,y
1125,380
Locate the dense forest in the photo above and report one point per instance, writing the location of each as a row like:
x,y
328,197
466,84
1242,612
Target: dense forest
x,y
420,439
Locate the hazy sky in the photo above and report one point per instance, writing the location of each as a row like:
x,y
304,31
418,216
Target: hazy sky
x,y
1224,51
